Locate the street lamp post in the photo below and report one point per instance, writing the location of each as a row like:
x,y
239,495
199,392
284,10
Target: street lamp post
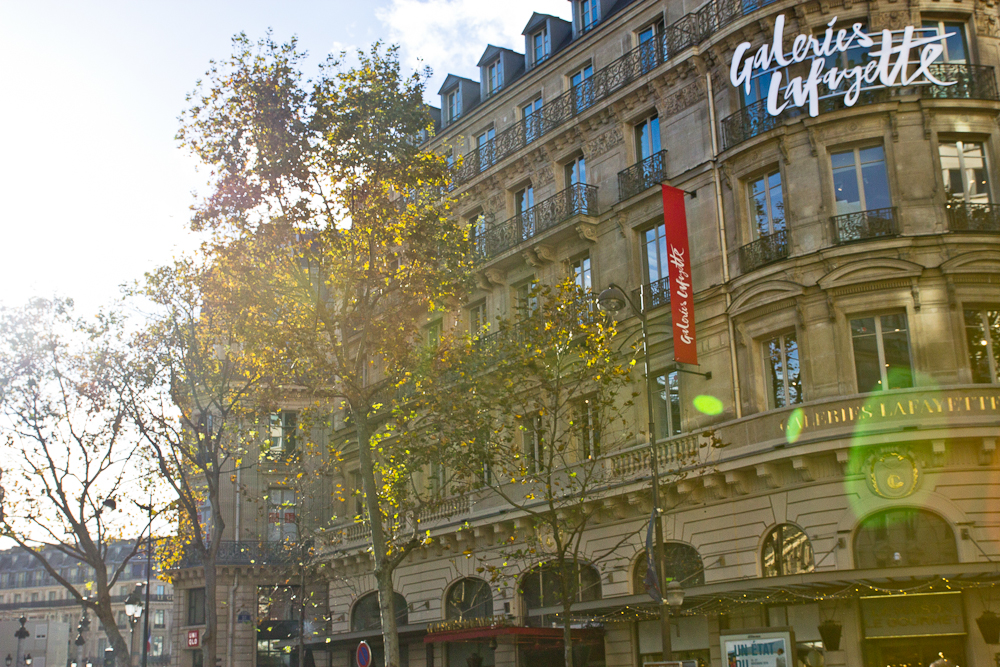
x,y
149,567
133,609
613,300
80,641
21,634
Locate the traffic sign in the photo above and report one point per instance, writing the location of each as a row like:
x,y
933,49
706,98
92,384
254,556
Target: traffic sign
x,y
364,655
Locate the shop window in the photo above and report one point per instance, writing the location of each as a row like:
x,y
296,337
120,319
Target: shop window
x,y
881,352
582,273
860,181
469,598
583,87
196,606
667,405
542,586
955,45
281,518
982,336
532,115
963,168
902,537
647,138
588,429
787,550
767,204
683,564
576,172
366,616
783,376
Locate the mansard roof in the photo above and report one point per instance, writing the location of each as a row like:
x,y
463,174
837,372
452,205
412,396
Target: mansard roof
x,y
452,81
493,52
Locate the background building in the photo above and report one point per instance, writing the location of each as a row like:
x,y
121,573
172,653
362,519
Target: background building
x,y
53,616
846,270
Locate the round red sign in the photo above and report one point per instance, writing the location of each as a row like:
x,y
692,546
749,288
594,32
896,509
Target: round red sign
x,y
364,654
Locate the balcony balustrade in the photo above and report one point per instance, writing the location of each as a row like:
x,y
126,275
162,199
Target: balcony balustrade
x,y
579,199
642,175
248,553
972,82
653,295
968,217
764,251
876,223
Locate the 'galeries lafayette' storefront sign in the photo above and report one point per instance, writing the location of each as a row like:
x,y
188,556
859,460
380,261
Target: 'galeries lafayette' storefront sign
x,y
891,64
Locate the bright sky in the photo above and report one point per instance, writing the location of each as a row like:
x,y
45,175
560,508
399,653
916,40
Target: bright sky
x,y
94,189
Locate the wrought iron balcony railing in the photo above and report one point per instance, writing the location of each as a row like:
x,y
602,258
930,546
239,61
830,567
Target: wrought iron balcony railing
x,y
876,223
497,238
728,11
690,29
583,310
967,217
642,175
972,82
248,553
653,295
763,251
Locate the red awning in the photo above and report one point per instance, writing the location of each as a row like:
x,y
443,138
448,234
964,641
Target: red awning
x,y
521,635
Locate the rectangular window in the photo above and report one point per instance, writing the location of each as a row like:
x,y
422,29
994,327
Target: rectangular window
x,y
524,203
784,380
477,319
649,38
454,105
588,429
576,172
283,431
956,47
485,146
534,444
433,334
582,274
196,606
647,138
655,254
359,493
667,405
860,181
540,45
881,352
34,597
52,595
494,77
963,168
281,519
526,298
477,235
767,205
122,619
161,590
531,112
17,597
982,335
588,14
159,618
156,646
583,88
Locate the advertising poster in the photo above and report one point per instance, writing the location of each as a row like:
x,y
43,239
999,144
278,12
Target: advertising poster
x,y
758,649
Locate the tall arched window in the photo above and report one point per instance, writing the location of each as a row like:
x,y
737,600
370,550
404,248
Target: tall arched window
x,y
787,551
904,536
365,615
683,564
542,586
468,598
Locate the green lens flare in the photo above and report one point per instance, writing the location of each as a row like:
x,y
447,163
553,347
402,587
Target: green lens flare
x,y
793,427
708,405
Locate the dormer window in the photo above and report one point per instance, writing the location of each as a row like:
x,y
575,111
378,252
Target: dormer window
x,y
541,47
494,77
454,105
588,14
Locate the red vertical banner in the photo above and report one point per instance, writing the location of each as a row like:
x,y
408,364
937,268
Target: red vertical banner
x,y
681,292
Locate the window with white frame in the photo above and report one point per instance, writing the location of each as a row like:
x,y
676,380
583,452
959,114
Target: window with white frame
x,y
494,77
860,180
588,14
582,273
281,518
477,319
484,144
649,38
282,430
956,45
963,168
982,336
767,204
647,137
531,113
526,298
159,618
156,646
432,334
667,405
881,352
541,47
655,254
477,233
583,88
588,429
782,374
576,172
454,105
533,441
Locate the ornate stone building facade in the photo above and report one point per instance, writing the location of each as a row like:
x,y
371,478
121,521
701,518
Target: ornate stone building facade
x,y
846,269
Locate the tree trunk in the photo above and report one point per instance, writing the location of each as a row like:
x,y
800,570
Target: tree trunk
x,y
209,638
567,625
380,547
106,616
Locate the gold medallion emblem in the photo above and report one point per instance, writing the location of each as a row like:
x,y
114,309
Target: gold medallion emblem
x,y
892,474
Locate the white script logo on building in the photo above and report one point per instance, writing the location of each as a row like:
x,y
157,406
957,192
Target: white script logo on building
x,y
889,66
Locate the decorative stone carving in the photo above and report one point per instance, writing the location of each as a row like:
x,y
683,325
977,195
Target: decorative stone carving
x,y
495,203
605,142
988,18
892,20
587,232
684,98
544,253
543,177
